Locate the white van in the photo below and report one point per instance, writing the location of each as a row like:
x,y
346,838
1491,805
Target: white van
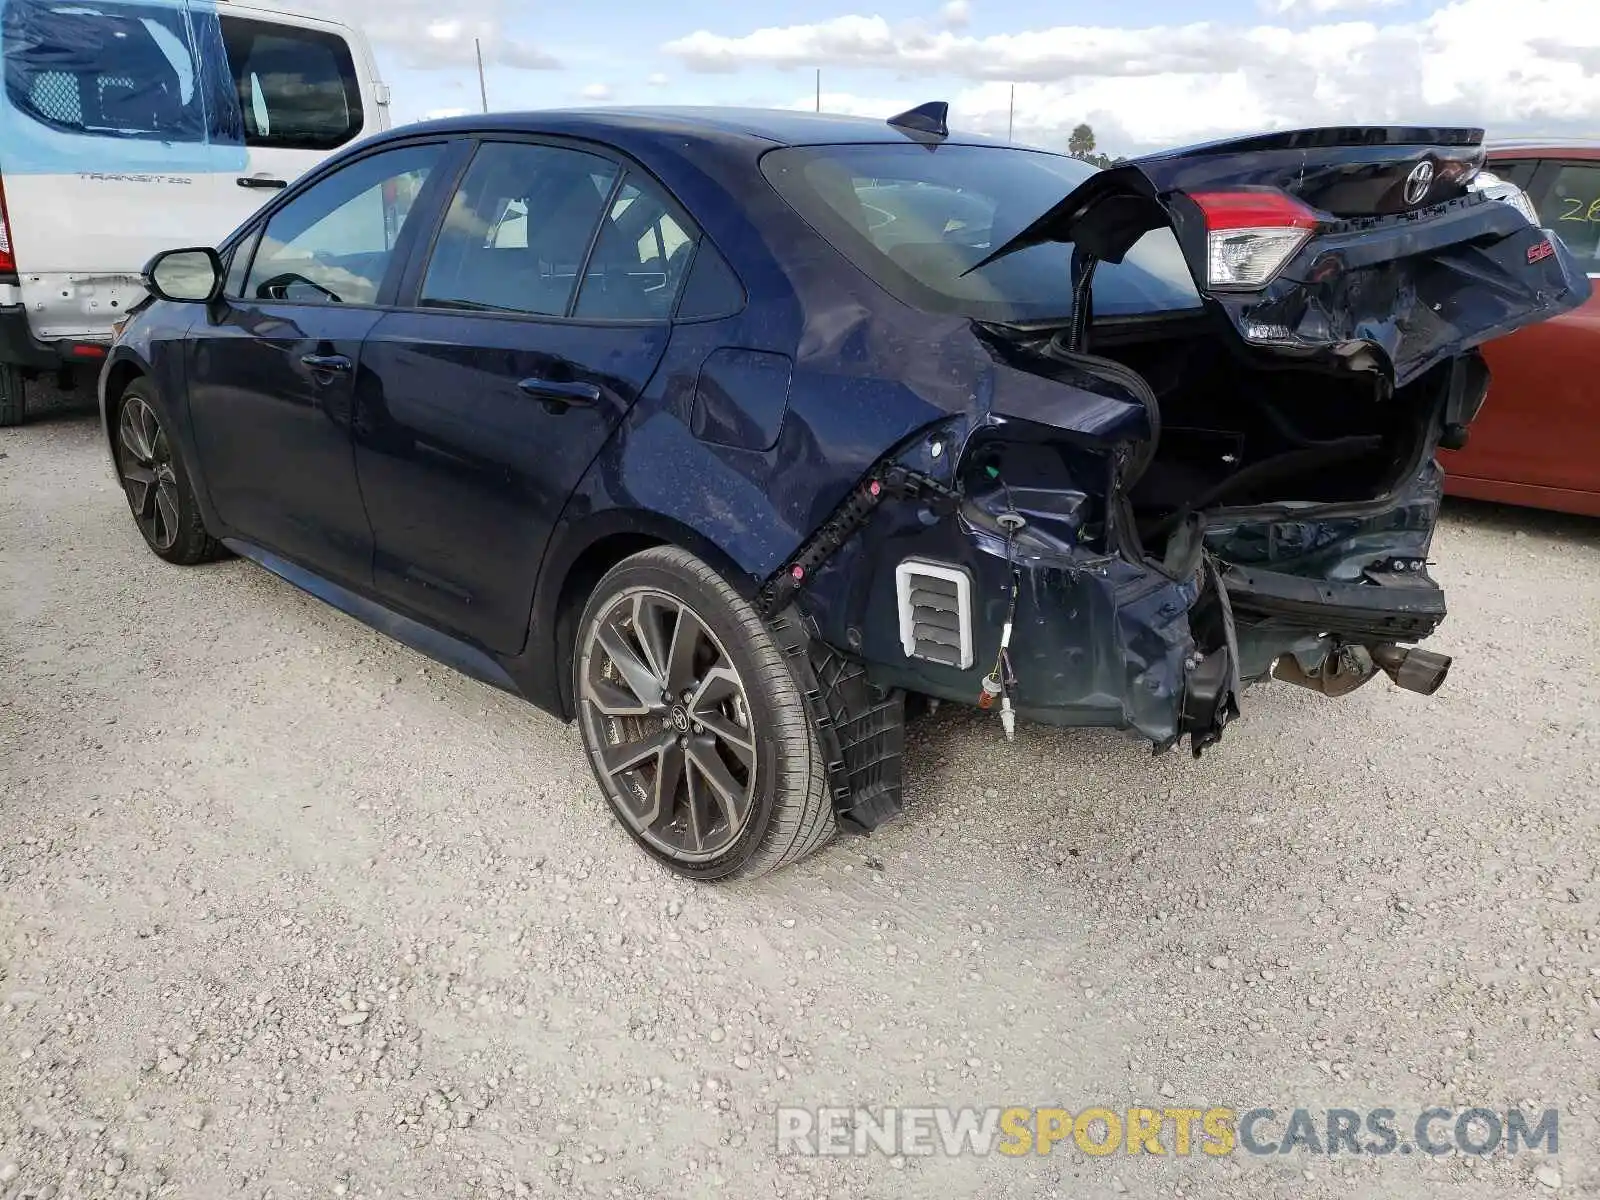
x,y
133,126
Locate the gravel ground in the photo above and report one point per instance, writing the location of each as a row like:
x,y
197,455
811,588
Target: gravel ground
x,y
287,910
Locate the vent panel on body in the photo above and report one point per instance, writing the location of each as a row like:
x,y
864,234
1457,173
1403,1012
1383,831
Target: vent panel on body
x,y
935,612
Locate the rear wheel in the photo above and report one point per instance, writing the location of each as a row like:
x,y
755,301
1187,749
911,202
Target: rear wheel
x,y
694,725
13,397
156,483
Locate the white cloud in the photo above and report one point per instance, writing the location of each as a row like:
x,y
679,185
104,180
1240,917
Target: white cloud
x,y
596,91
1464,63
440,114
1037,55
956,13
1127,115
658,80
1322,8
424,40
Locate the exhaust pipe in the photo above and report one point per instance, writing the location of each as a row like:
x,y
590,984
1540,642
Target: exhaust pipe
x,y
1420,671
1342,671
1350,667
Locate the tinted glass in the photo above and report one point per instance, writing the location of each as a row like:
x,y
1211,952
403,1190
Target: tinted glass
x,y
332,244
124,70
297,88
239,264
711,290
1571,207
917,222
640,259
517,230
1513,170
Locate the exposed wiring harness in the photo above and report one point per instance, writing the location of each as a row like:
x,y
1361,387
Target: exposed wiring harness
x,y
1001,682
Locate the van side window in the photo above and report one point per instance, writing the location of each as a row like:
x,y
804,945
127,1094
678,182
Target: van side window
x,y
332,244
297,88
125,71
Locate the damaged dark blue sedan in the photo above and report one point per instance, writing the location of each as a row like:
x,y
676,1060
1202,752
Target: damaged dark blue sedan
x,y
726,433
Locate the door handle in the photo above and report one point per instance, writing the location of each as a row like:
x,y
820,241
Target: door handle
x,y
261,181
327,364
558,395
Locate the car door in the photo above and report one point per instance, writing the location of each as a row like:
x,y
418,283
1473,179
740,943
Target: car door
x,y
495,390
303,92
273,368
1537,439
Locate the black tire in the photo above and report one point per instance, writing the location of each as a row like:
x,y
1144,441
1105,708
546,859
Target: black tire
x,y
156,480
743,691
13,397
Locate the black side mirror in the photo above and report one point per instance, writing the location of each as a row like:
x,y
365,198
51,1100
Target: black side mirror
x,y
192,276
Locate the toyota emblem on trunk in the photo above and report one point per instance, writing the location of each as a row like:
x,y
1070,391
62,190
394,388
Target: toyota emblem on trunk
x,y
1418,182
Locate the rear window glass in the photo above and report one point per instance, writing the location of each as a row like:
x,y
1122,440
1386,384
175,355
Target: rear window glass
x,y
124,70
916,221
297,88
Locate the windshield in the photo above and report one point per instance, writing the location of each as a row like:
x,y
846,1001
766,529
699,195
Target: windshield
x,y
916,220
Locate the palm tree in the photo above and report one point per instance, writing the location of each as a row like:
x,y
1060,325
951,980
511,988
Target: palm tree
x,y
1081,142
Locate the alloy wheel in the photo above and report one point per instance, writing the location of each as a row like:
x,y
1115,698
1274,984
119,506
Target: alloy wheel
x,y
668,724
147,473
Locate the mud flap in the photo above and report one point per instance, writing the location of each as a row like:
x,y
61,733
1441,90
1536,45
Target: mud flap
x,y
860,732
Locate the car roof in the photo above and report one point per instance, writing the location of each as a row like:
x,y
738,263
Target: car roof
x,y
774,126
1582,147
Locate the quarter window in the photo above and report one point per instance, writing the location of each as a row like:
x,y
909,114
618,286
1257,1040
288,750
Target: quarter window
x,y
333,243
517,230
639,261
297,88
1515,170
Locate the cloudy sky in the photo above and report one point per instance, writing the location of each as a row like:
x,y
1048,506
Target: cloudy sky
x,y
1167,72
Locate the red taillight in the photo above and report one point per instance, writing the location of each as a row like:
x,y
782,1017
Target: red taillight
x,y
88,350
1253,210
1250,236
8,259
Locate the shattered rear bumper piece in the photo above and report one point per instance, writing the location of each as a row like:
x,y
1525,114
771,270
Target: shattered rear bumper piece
x,y
1101,640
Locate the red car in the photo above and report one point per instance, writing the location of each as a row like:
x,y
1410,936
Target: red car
x,y
1537,440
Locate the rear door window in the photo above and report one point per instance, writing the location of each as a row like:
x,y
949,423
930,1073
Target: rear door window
x,y
106,70
518,230
334,243
297,88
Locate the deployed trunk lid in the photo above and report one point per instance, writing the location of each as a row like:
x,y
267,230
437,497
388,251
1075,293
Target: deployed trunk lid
x,y
1356,248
